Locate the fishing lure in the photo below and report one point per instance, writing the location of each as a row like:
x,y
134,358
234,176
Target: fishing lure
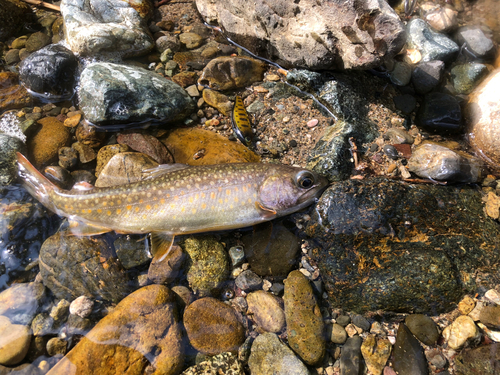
x,y
241,122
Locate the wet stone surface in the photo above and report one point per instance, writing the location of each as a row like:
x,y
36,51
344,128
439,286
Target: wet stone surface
x,y
404,233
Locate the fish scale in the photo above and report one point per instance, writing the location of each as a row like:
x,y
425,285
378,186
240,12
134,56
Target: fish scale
x,y
189,200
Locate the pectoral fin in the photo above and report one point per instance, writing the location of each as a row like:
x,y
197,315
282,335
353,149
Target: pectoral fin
x,y
161,244
266,213
78,228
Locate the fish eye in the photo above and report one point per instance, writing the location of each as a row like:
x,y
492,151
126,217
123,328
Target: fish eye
x,y
305,179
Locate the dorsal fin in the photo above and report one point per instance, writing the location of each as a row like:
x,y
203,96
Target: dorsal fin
x,y
162,169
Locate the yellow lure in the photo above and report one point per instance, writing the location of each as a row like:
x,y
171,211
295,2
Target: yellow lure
x,y
241,122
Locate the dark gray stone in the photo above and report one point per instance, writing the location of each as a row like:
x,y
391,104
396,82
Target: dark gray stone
x,y
361,322
112,94
400,247
132,250
350,357
427,75
409,358
50,71
432,45
248,281
405,103
440,113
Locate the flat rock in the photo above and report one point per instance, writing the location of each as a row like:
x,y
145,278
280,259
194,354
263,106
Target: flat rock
x,y
106,153
376,352
147,144
113,94
144,327
484,360
350,357
345,34
72,266
303,318
196,146
124,168
213,327
98,26
364,240
269,356
12,94
423,328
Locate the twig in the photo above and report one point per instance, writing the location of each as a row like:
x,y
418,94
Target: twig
x,y
41,3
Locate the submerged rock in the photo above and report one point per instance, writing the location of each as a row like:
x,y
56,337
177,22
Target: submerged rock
x,y
72,266
8,159
13,14
484,359
344,34
124,168
14,342
98,26
224,363
144,327
120,94
44,145
303,318
270,356
400,247
440,112
20,302
213,327
50,71
12,94
409,358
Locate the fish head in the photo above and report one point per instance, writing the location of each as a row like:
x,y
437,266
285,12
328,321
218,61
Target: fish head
x,y
288,189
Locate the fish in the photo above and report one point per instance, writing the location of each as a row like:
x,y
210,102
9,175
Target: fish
x,y
175,200
241,122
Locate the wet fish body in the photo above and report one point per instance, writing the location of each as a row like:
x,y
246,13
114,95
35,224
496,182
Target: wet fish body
x,y
188,200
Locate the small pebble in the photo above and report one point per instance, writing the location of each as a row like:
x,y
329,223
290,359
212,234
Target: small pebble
x,y
391,152
312,123
82,306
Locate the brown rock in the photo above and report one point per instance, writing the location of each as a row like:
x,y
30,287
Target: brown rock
x,y
303,318
124,168
86,153
147,144
143,327
12,94
185,79
266,311
227,73
88,135
376,353
483,117
44,145
213,327
14,342
166,270
106,153
73,121
37,41
202,147
490,316
218,100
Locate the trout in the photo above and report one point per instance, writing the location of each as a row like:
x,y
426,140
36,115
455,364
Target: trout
x,y
176,200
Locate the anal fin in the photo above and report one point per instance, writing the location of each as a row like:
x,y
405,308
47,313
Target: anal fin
x,y
161,244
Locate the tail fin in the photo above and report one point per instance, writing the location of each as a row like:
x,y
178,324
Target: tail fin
x,y
35,182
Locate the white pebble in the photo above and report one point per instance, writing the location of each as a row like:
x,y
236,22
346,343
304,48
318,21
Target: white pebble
x,y
82,306
493,296
312,123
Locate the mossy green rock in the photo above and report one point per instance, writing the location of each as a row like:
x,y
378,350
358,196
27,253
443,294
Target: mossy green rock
x,y
401,247
207,264
423,328
303,318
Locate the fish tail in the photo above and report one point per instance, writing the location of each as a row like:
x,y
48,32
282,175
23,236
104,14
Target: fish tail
x,y
34,182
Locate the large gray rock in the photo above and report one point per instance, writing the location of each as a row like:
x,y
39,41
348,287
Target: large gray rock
x,y
329,35
100,26
119,94
401,247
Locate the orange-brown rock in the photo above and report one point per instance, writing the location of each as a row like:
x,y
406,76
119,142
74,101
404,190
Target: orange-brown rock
x,y
44,145
12,94
144,327
202,147
213,327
